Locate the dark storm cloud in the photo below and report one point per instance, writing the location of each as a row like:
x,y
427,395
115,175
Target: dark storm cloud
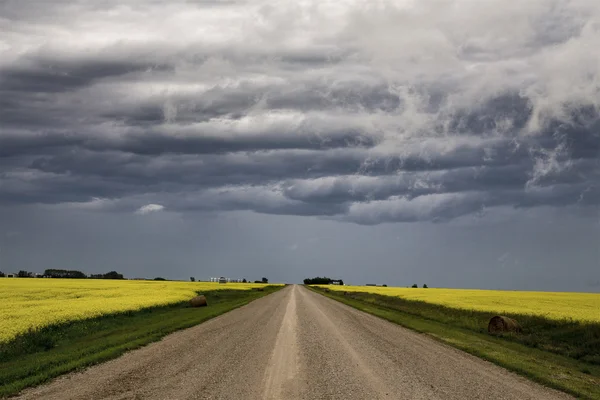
x,y
206,170
182,141
400,113
55,75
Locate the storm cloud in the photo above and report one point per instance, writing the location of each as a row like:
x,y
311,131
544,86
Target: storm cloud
x,y
356,111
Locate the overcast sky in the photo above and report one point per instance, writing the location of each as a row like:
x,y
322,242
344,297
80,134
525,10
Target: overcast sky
x,y
448,142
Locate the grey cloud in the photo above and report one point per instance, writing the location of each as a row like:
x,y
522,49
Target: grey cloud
x,y
55,75
205,170
389,114
160,144
186,140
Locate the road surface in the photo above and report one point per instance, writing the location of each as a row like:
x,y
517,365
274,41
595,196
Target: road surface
x,y
294,344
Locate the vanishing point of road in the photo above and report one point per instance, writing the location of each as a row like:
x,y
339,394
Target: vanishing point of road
x,y
294,344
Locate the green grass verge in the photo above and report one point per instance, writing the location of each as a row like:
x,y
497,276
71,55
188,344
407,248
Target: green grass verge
x,y
35,357
571,338
571,375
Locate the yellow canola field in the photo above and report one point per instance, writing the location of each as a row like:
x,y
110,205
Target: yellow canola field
x,y
33,303
552,305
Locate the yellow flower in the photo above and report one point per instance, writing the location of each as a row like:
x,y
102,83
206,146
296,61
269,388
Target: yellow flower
x,y
552,305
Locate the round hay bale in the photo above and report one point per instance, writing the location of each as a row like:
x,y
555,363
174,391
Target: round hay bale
x,y
198,301
499,324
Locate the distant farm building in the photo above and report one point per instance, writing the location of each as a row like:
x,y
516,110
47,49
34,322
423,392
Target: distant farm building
x,y
11,275
337,282
225,280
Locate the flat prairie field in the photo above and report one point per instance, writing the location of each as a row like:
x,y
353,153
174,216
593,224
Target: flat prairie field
x,y
27,304
583,307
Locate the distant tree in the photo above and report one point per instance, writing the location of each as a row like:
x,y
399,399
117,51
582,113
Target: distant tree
x,y
192,279
384,285
2,274
415,285
113,275
258,281
265,280
158,278
24,274
322,281
244,280
425,286
64,273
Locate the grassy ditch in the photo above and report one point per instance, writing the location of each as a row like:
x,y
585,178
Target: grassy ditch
x,y
563,355
35,357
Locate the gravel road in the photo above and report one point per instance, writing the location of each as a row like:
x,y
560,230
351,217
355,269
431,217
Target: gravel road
x,y
294,344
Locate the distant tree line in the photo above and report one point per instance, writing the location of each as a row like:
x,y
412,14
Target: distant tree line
x,y
67,273
22,274
64,273
263,280
322,281
74,274
108,275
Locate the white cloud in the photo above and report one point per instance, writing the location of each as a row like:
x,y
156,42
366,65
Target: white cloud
x,y
149,208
